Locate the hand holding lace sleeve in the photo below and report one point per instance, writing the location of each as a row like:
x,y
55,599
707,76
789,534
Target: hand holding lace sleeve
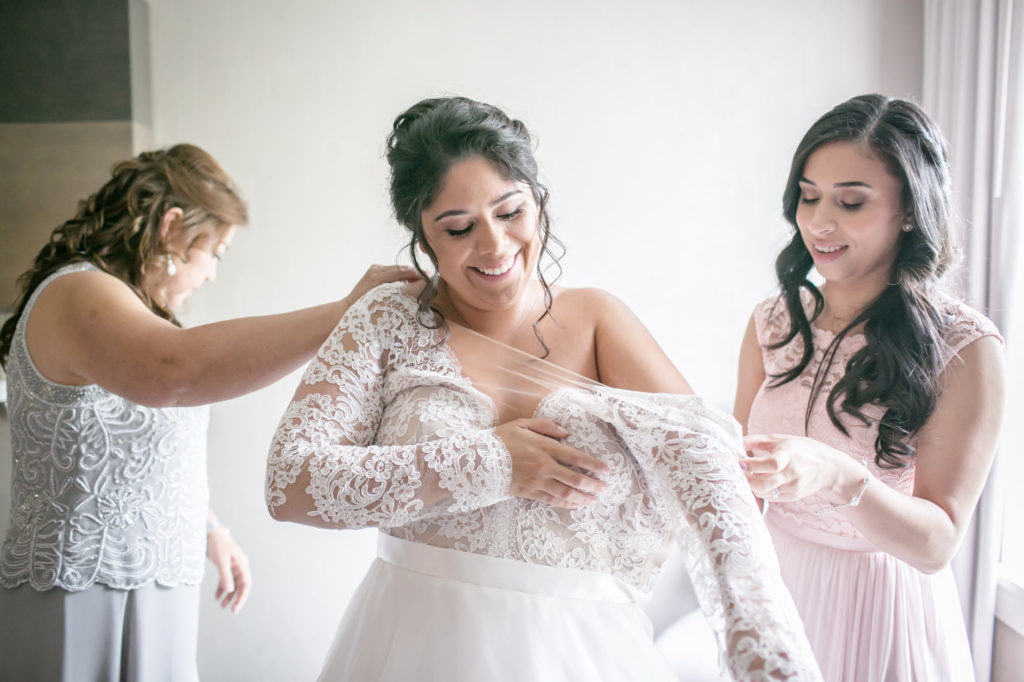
x,y
693,461
324,467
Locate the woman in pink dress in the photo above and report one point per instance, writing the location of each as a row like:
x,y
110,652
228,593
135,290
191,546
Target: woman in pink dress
x,y
872,403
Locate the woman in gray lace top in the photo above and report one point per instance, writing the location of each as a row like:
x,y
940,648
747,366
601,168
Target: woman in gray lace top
x,y
101,564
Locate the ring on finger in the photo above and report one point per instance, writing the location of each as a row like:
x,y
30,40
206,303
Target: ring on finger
x,y
774,494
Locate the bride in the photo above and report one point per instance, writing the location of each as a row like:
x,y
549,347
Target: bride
x,y
528,452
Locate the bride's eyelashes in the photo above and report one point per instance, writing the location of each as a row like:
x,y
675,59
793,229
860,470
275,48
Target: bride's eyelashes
x,y
460,233
511,215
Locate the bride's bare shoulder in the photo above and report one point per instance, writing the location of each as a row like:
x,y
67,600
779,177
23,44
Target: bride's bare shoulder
x,y
589,302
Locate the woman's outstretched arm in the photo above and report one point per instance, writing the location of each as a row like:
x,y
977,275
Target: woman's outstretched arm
x,y
90,328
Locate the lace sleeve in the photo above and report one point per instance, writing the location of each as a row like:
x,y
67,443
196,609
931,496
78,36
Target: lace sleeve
x,y
324,466
691,453
966,326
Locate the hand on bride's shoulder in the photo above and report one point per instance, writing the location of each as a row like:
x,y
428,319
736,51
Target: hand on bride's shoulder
x,y
376,275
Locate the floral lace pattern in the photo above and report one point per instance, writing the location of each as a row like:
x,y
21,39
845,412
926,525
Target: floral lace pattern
x,y
103,490
782,409
387,432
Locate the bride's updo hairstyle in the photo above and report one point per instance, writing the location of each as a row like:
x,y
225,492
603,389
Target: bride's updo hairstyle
x,y
430,137
898,369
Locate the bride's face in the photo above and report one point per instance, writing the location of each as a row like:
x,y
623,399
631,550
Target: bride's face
x,y
483,230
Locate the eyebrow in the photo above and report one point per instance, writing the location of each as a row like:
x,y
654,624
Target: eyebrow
x,y
497,201
852,183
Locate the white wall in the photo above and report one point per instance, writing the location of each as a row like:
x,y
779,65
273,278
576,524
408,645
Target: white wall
x,y
665,131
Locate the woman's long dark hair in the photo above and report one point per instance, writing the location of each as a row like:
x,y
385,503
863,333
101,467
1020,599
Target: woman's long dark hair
x,y
117,229
898,369
431,136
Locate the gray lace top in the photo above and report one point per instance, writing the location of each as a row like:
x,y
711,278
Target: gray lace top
x,y
103,490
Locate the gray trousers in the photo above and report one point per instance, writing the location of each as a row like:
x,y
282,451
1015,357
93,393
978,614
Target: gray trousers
x,y
99,634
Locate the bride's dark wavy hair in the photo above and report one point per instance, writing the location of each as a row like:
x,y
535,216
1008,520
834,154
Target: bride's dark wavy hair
x,y
424,143
899,367
117,229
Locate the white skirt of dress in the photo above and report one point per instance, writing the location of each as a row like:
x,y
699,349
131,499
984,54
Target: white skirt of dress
x,y
429,613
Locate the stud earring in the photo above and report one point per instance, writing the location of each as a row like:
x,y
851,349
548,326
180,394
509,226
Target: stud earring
x,y
908,227
171,267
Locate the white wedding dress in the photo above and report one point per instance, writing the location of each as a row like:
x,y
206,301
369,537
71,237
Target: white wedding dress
x,y
473,584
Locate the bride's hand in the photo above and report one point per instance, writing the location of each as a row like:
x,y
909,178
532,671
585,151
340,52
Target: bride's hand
x,y
541,465
376,275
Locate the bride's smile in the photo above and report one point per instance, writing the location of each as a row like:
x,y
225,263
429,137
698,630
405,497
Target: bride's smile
x,y
482,229
499,270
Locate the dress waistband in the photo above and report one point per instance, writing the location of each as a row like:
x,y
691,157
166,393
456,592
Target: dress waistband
x,y
816,535
506,574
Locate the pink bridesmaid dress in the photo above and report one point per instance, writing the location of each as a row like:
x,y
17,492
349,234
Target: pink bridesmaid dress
x,y
869,616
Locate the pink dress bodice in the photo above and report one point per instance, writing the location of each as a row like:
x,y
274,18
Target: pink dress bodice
x,y
783,410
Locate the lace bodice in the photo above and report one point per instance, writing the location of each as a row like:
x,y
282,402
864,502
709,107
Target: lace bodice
x,y
103,490
386,431
782,409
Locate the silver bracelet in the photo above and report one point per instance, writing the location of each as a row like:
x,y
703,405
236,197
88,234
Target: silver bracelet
x,y
214,525
855,500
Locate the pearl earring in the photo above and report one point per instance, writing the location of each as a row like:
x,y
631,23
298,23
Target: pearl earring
x,y
171,267
908,227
